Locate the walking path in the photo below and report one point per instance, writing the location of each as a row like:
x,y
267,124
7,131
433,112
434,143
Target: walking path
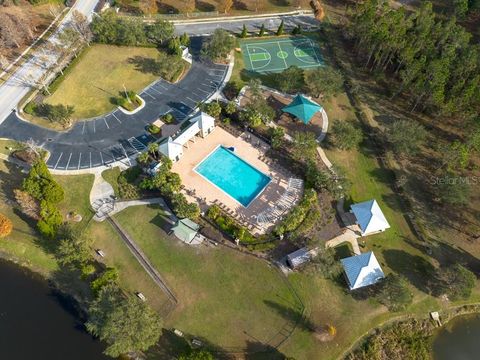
x,y
143,260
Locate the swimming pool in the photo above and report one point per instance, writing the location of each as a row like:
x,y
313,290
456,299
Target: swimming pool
x,y
233,175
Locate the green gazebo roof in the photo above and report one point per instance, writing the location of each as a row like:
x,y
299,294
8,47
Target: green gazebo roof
x,y
302,108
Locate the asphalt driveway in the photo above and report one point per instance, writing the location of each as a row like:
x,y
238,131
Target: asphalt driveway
x,y
117,136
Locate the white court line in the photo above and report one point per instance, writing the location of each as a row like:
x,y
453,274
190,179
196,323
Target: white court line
x,y
300,66
79,161
105,120
68,162
284,61
115,116
58,161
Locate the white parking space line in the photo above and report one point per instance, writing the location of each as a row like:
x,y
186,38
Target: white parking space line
x,y
193,101
162,86
209,86
146,93
68,162
58,161
79,161
104,119
90,159
115,116
126,156
206,92
101,157
94,126
153,89
83,128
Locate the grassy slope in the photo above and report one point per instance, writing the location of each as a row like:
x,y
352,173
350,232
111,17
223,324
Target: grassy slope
x,y
111,176
222,293
99,76
77,190
22,244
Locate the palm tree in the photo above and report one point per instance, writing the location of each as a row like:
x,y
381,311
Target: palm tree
x,y
143,158
153,149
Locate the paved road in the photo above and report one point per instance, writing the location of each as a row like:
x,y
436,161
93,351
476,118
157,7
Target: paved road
x,y
17,86
236,26
117,136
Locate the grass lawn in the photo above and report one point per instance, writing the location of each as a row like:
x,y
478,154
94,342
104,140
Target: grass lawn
x,y
22,244
225,297
111,176
5,144
132,275
77,197
100,75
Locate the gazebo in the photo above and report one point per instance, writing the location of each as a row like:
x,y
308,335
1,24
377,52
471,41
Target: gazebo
x,y
302,108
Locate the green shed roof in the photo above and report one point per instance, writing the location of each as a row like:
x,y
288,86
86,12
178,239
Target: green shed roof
x,y
302,108
185,230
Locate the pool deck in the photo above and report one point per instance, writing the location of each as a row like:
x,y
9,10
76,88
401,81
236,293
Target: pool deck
x,y
206,194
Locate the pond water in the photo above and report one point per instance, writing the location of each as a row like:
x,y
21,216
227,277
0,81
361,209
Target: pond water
x,y
459,339
37,324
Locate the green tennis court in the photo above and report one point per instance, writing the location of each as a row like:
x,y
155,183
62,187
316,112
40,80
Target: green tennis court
x,y
272,56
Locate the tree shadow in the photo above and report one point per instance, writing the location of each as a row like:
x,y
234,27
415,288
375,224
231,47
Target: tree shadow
x,y
291,314
204,6
166,8
172,346
447,254
144,65
260,351
162,221
415,268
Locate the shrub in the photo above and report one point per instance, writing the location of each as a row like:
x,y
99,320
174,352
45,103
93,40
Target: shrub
x,y
456,281
406,136
230,108
154,129
218,46
345,135
297,30
244,32
325,263
108,277
276,136
168,118
30,108
395,293
232,89
6,226
295,218
184,209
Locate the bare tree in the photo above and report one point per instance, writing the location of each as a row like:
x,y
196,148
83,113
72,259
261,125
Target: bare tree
x,y
3,62
27,204
54,10
9,32
82,27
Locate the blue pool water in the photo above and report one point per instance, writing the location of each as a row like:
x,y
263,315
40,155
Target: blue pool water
x,y
233,175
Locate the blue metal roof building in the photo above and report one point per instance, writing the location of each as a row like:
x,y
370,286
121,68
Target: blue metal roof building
x,y
362,270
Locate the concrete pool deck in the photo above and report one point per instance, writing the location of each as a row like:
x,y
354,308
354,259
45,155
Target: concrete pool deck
x,y
200,190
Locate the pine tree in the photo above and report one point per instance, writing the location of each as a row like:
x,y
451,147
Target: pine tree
x,y
262,31
244,33
280,30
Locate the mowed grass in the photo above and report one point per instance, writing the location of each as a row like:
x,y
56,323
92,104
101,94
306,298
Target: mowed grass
x,y
132,275
225,297
22,244
77,197
100,75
